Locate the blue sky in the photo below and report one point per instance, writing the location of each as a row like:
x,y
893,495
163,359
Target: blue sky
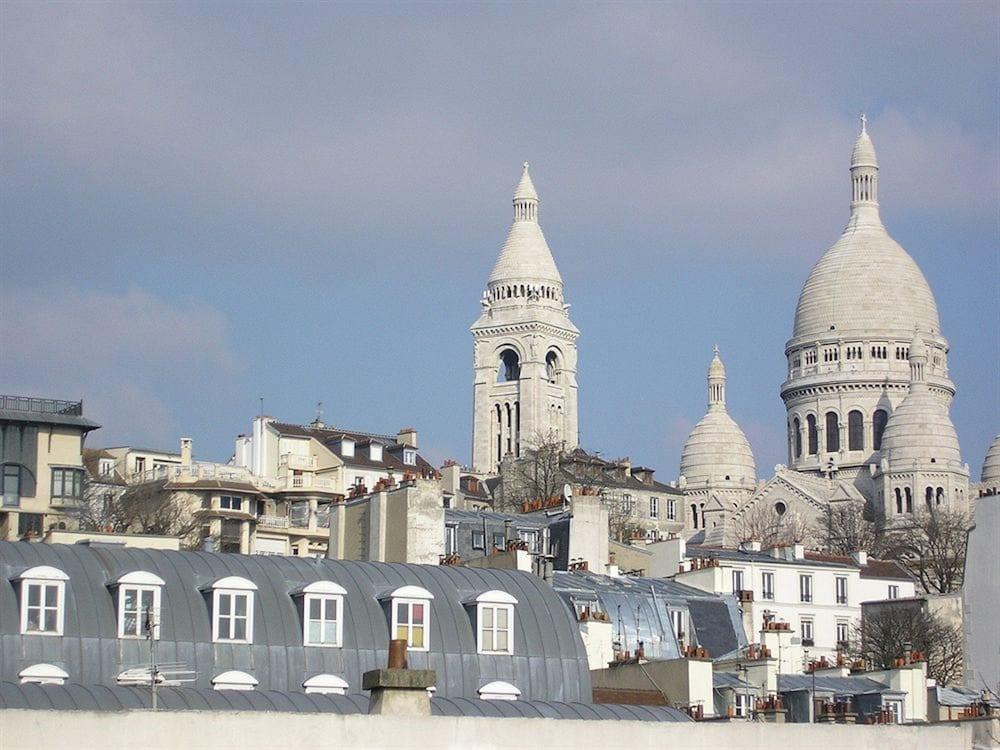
x,y
206,204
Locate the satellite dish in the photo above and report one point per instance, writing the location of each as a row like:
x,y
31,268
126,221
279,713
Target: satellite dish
x,y
567,492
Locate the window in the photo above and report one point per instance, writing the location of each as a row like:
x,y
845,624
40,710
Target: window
x,y
409,456
671,510
879,418
411,616
551,366
841,586
530,538
43,674
495,616
855,431
694,516
805,588
832,432
322,609
499,691
678,619
742,705
510,366
11,485
843,637
895,710
231,502
359,481
140,465
737,580
806,629
107,467
232,608
43,597
139,605
654,507
326,684
499,540
234,680
893,592
450,541
29,524
66,483
478,539
767,586
813,437
797,437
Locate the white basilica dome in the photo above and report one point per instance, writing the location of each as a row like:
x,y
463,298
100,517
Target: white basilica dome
x,y
717,451
866,281
991,466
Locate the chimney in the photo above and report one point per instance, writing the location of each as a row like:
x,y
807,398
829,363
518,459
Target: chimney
x,y
799,551
860,557
750,546
186,446
407,436
397,690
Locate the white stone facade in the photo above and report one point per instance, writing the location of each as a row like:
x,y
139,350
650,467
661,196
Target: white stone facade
x,y
524,351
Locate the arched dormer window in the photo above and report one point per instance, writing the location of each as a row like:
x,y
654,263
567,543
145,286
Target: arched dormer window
x,y
138,594
43,600
234,680
232,610
410,608
322,610
43,674
498,691
494,622
510,366
329,684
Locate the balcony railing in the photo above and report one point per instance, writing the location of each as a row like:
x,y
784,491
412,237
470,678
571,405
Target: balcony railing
x,y
296,462
273,522
42,405
194,472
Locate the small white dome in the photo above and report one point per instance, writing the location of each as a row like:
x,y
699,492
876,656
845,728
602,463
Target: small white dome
x,y
717,451
991,466
863,154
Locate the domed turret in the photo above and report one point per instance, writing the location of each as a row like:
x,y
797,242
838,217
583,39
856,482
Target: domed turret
x,y
717,451
920,431
991,466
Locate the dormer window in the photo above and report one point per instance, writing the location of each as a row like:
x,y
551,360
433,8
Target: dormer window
x,y
498,691
347,447
43,600
232,610
329,684
43,674
139,605
234,680
322,614
409,457
375,451
495,622
107,467
411,616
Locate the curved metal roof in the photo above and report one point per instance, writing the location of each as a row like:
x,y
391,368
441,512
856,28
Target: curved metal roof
x,y
549,662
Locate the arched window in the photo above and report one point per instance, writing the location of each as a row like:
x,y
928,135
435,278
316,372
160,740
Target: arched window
x,y
879,418
139,596
232,610
813,438
899,501
832,432
551,366
694,515
411,618
510,366
499,433
940,496
43,600
855,431
909,499
929,496
797,437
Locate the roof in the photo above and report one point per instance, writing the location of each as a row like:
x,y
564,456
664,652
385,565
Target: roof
x,y
956,695
549,662
874,568
612,473
790,683
118,698
991,464
729,680
525,255
38,417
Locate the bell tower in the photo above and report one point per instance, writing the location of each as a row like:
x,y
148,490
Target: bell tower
x,y
524,347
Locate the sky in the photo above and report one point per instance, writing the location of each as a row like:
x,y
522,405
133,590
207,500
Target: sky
x,y
207,204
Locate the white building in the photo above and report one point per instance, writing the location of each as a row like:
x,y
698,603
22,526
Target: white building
x,y
524,346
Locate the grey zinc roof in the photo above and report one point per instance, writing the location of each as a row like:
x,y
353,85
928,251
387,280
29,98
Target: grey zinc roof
x,y
638,611
790,683
549,661
120,698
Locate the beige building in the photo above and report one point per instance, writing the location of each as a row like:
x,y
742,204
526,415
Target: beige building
x,y
41,460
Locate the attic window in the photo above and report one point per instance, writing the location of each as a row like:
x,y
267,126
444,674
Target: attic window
x,y
139,604
411,617
43,600
326,684
495,622
234,680
375,451
409,456
43,674
322,614
498,691
232,610
347,447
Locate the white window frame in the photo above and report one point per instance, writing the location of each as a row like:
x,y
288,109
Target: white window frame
x,y
323,592
893,592
805,587
671,509
654,507
410,596
409,456
810,624
496,601
737,578
846,627
741,704
767,591
840,582
450,539
43,576
232,586
230,498
139,581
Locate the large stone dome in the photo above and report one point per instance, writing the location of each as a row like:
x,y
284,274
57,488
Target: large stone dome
x,y
717,451
866,281
991,466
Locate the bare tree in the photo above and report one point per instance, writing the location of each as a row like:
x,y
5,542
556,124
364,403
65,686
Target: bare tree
x,y
147,508
535,475
763,524
846,527
883,636
934,548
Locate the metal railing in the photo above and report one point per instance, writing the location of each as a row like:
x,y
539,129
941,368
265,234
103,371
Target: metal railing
x,y
42,405
273,522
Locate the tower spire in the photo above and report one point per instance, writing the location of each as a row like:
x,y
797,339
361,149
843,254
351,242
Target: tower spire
x,y
525,198
864,175
716,381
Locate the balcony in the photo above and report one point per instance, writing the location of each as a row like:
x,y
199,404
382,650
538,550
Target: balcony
x,y
272,522
192,473
295,462
301,482
42,405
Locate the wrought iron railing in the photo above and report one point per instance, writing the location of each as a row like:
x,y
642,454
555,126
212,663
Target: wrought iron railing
x,y
41,405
